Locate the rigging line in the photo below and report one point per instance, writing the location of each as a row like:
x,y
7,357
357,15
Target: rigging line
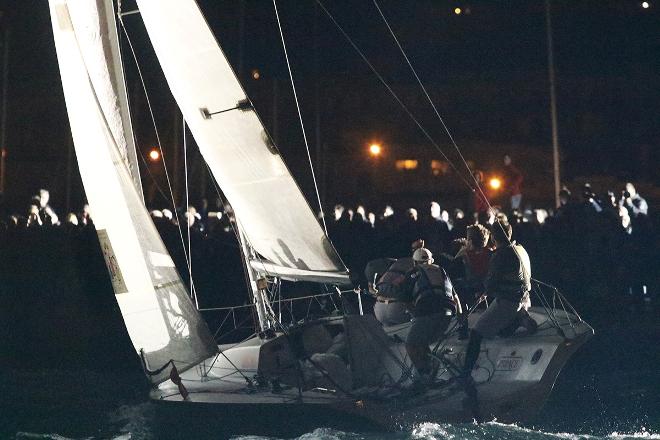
x,y
237,220
153,120
435,109
193,291
393,93
153,179
302,125
470,172
234,228
444,125
451,138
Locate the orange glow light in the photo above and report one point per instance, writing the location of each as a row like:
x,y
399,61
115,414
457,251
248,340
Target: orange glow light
x,y
495,183
154,155
375,150
256,74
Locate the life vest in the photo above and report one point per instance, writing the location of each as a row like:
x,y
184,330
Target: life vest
x,y
390,284
432,289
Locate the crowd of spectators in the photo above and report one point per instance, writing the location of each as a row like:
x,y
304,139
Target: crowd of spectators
x,y
597,245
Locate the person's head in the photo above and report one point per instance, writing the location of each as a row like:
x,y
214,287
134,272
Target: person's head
x,y
44,197
435,210
587,192
339,211
501,232
72,219
411,214
192,216
156,213
423,256
371,218
444,216
631,189
388,211
361,213
541,215
478,236
458,214
507,160
167,214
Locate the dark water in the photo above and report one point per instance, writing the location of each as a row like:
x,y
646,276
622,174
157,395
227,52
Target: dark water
x,y
610,389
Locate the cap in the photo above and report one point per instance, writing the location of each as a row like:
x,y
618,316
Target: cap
x,y
423,255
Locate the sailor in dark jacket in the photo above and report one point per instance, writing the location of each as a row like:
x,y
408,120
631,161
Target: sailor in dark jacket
x,y
431,296
508,283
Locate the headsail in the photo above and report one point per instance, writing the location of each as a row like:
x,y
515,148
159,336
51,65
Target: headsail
x,y
160,318
272,211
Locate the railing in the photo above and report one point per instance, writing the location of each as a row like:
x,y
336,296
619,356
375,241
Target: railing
x,y
558,309
287,311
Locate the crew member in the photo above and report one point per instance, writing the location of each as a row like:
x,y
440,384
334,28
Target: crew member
x,y
390,308
508,282
432,300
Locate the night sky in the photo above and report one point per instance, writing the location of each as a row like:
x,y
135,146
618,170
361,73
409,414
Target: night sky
x,y
486,70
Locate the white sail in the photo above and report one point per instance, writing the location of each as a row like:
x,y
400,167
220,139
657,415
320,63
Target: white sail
x,y
272,211
161,320
110,44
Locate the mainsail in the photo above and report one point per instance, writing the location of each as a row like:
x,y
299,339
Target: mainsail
x,y
270,207
161,320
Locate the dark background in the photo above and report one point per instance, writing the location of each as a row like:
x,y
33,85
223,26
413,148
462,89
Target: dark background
x,y
486,71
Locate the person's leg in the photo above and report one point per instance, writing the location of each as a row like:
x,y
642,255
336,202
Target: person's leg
x,y
417,355
472,352
422,332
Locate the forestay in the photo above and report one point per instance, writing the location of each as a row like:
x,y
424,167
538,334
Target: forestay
x,y
272,211
160,318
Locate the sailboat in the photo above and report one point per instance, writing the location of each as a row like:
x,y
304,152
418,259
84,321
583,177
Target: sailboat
x,y
347,364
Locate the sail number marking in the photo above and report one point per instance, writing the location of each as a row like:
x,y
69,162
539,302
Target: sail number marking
x,y
508,363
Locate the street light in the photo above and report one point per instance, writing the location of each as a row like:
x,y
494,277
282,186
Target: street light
x,y
154,155
458,11
375,150
495,183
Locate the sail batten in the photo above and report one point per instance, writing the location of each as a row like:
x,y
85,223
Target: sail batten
x,y
274,215
162,323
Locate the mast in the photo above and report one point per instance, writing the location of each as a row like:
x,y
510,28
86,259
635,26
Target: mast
x,y
3,112
257,285
553,104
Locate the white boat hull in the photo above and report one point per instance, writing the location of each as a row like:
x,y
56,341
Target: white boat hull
x,y
514,376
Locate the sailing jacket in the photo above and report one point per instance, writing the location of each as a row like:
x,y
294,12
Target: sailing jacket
x,y
430,290
509,273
